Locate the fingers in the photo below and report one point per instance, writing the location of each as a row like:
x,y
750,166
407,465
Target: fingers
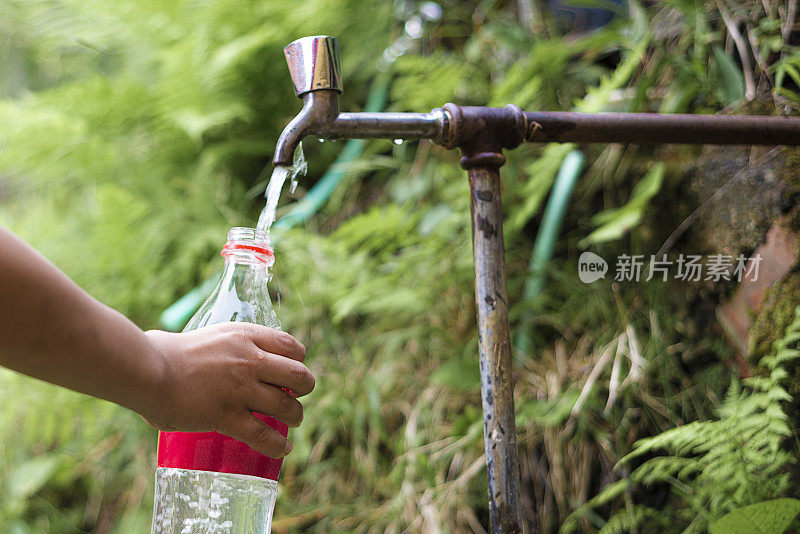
x,y
280,359
270,400
258,435
275,341
285,373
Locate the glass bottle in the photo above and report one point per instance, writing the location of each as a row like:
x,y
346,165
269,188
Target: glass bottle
x,y
207,482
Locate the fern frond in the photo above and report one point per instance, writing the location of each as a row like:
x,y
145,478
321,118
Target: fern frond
x,y
735,460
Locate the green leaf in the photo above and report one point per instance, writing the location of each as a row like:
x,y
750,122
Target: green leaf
x,y
769,517
732,83
615,222
29,477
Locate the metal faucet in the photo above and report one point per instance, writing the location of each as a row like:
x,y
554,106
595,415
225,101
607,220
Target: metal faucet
x,y
482,133
314,68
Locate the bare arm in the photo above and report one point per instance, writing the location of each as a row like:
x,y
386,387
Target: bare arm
x,y
209,379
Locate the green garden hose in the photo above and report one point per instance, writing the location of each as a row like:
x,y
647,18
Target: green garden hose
x,y
548,233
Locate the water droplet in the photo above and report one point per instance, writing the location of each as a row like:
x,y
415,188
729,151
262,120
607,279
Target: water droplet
x,y
413,27
431,11
398,142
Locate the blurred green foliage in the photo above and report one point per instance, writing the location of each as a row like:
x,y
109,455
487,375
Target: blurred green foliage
x,y
133,134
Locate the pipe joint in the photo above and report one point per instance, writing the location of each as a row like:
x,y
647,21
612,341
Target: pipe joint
x,y
482,133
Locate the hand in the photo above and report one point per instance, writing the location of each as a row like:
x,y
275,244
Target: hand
x,y
214,378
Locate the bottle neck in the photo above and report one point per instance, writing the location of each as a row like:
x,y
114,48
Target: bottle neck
x,y
245,274
241,293
246,257
248,246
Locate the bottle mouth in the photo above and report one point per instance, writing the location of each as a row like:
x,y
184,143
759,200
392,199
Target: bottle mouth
x,y
249,244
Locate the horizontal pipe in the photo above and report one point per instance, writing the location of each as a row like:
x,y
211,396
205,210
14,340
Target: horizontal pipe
x,y
650,128
384,126
320,117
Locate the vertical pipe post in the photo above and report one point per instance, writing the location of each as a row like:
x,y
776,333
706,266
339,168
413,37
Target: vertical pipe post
x,y
497,387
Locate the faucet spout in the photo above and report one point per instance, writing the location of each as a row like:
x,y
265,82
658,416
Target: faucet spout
x,y
320,108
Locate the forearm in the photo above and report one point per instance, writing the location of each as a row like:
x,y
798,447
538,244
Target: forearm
x,y
214,378
52,330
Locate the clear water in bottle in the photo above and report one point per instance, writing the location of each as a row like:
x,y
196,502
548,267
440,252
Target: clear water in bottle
x,y
212,503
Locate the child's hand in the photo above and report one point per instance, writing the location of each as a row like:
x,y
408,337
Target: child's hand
x,y
215,377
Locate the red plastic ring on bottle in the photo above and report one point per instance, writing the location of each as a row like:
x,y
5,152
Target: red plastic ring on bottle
x,y
266,251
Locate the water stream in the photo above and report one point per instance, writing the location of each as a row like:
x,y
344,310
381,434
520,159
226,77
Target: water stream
x,y
275,186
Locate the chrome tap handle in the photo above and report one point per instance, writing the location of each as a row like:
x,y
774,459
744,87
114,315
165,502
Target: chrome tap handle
x,y
314,64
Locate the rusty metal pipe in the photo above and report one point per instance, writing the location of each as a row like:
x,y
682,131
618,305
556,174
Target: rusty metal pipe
x,y
649,128
472,124
497,386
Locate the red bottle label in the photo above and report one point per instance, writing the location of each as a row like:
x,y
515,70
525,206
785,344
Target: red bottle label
x,y
211,451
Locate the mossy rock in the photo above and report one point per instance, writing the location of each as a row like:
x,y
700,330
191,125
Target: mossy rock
x,y
777,311
741,197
